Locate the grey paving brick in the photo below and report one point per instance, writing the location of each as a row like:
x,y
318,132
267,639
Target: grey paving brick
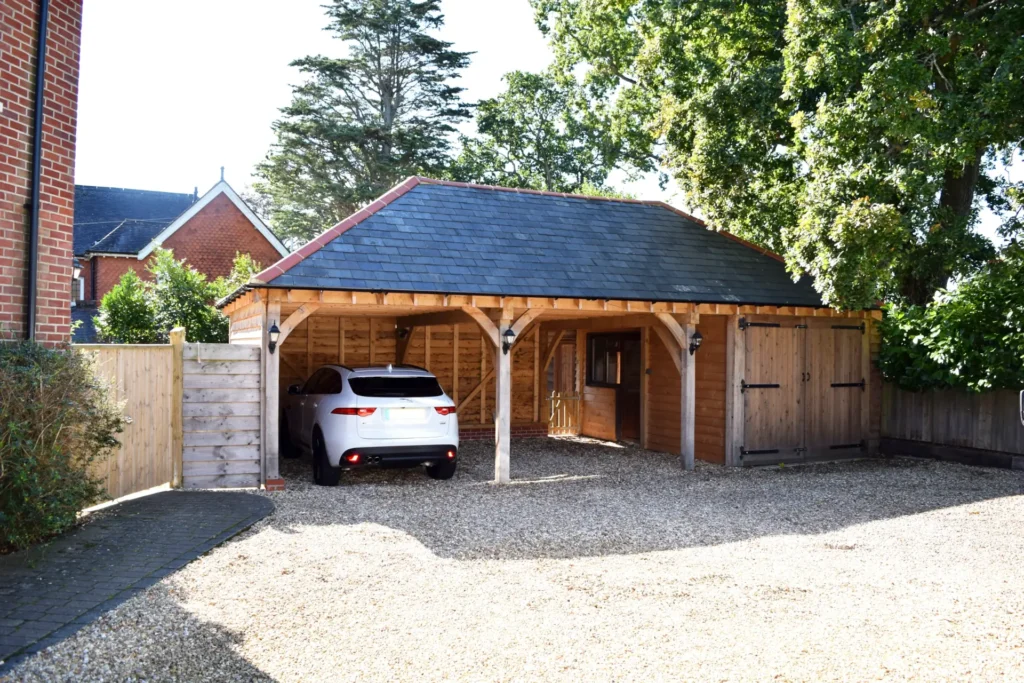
x,y
49,592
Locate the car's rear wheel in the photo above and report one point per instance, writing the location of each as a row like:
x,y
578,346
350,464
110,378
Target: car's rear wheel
x,y
323,473
284,440
442,470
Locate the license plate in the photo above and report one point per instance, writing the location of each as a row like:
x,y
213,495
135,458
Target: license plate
x,y
405,415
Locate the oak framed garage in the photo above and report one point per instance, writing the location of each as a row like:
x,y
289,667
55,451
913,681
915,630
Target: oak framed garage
x,y
446,275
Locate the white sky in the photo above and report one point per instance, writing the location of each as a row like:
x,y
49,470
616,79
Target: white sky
x,y
171,91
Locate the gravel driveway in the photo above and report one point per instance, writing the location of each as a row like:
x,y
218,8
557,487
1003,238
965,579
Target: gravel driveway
x,y
598,563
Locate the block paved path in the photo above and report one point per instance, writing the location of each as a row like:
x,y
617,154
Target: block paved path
x,y
50,591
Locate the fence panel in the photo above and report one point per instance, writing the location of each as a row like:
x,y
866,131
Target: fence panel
x,y
989,422
141,378
221,416
563,413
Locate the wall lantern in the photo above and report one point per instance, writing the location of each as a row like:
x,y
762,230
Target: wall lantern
x,y
695,341
274,335
76,270
508,336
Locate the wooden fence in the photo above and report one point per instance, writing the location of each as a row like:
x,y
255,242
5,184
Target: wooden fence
x,y
981,428
221,416
192,412
141,377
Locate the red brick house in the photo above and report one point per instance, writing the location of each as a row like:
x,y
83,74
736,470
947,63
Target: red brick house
x,y
117,230
38,115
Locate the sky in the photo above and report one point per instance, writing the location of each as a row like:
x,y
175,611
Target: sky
x,y
171,91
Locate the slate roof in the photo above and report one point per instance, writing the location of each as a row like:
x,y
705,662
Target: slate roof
x,y
86,331
463,239
99,210
129,237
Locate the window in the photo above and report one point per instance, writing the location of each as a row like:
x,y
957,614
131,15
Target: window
x,y
323,381
604,360
397,387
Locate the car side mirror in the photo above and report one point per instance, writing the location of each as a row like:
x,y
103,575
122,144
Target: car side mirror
x,y
293,389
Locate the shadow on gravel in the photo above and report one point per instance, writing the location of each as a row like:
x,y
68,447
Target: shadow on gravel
x,y
570,499
138,648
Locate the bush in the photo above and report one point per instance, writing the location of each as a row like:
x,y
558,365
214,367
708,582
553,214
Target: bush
x,y
126,314
55,421
970,337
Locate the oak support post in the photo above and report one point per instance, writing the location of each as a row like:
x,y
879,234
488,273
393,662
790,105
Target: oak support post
x,y
645,364
455,363
688,407
503,408
177,396
271,403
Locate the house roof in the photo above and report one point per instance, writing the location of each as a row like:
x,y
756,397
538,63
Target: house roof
x,y
85,333
129,237
456,238
98,210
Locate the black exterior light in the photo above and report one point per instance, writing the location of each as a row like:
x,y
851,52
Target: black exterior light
x,y
695,341
76,270
274,335
508,336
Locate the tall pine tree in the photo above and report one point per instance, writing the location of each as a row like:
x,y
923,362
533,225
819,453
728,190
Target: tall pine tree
x,y
357,125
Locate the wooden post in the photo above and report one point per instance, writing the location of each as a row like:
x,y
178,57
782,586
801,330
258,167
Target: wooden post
x,y
426,347
483,373
455,364
271,402
865,394
309,347
177,396
645,363
536,373
372,339
735,363
688,407
341,341
503,407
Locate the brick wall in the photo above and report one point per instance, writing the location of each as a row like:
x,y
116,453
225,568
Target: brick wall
x,y
208,242
18,37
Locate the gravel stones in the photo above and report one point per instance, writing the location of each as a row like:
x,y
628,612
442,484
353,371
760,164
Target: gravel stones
x,y
596,563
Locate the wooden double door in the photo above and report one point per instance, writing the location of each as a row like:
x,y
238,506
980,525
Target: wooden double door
x,y
804,387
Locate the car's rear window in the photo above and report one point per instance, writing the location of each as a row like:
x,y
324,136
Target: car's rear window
x,y
398,387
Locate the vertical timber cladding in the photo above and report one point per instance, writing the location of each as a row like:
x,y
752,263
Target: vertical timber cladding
x,y
221,416
804,385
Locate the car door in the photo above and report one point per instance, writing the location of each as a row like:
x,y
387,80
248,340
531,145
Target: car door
x,y
301,404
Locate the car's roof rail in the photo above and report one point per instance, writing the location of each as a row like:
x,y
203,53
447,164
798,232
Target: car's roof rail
x,y
408,366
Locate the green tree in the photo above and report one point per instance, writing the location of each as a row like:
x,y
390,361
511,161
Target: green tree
x,y
181,296
544,133
126,313
357,125
857,138
243,268
969,337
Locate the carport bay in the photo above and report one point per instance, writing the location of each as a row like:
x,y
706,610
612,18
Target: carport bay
x,y
784,381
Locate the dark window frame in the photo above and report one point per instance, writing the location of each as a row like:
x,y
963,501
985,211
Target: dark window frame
x,y
604,337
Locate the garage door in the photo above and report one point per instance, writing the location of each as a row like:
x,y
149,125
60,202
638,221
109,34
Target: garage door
x,y
803,389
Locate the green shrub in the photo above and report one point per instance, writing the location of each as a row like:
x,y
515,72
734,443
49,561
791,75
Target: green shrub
x,y
126,313
56,420
970,337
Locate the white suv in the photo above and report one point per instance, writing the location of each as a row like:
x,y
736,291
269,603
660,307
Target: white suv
x,y
392,416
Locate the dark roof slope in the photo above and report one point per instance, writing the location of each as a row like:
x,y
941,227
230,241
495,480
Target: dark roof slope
x,y
98,210
85,333
129,237
452,239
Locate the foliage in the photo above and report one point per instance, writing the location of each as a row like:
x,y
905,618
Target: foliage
x,y
970,337
55,422
182,297
857,138
138,312
360,124
243,269
126,313
544,133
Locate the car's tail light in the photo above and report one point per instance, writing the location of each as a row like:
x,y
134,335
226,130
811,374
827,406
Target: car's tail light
x,y
361,412
445,410
354,458
451,455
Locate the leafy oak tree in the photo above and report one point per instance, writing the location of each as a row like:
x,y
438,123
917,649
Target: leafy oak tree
x,y
359,124
857,138
544,133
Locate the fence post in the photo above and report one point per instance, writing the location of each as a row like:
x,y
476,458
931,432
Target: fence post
x,y
177,397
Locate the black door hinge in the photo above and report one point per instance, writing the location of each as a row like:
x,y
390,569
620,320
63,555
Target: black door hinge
x,y
744,324
744,386
850,327
862,384
763,451
845,446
